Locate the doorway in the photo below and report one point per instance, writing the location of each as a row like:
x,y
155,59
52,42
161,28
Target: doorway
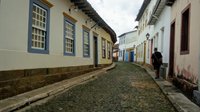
x,y
95,51
171,53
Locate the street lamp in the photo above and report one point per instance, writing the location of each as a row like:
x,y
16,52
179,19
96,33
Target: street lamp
x,y
147,36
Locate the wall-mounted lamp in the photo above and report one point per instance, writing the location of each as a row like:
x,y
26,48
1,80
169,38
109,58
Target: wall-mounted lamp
x,y
88,20
73,7
147,36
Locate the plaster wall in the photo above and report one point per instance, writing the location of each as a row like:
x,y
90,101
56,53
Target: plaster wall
x,y
14,37
187,64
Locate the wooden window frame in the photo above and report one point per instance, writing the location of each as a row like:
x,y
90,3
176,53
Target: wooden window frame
x,y
182,36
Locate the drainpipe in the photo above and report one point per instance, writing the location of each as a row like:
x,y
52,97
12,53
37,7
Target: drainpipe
x,y
199,83
198,80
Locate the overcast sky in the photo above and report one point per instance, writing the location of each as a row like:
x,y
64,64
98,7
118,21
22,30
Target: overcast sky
x,y
118,14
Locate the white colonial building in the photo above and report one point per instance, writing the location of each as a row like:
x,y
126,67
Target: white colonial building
x,y
127,43
154,31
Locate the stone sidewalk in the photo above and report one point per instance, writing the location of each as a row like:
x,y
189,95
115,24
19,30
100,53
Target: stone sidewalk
x,y
179,101
22,100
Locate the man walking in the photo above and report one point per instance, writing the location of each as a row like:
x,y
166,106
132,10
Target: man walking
x,y
157,61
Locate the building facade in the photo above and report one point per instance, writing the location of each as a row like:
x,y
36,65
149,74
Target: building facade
x,y
184,43
143,52
127,43
154,31
61,39
172,26
51,36
161,32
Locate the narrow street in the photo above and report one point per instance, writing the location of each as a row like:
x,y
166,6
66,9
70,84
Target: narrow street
x,y
127,88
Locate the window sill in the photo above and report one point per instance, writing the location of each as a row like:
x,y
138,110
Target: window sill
x,y
86,56
69,54
184,52
38,51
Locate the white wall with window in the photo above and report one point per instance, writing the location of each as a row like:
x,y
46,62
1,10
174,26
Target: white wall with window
x,y
162,33
45,35
159,32
128,40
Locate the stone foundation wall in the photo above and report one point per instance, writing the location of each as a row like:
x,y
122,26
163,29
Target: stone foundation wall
x,y
20,81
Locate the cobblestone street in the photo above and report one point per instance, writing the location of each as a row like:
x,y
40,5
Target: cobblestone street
x,y
127,88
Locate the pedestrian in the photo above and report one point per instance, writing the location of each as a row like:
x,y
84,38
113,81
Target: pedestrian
x,y
157,61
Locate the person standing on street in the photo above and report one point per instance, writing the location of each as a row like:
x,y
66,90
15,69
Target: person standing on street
x,y
157,61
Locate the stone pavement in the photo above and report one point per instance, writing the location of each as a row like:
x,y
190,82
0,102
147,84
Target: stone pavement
x,y
179,101
127,88
22,100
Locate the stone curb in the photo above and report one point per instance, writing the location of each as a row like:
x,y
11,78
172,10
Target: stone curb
x,y
21,100
110,67
180,102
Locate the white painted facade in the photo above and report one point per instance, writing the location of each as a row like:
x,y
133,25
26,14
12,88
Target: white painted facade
x,y
161,34
143,29
14,19
126,43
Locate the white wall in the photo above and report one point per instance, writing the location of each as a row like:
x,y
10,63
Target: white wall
x,y
122,47
130,40
162,22
14,37
143,31
162,41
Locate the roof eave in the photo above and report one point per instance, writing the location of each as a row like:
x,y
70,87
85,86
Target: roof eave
x,y
142,9
127,33
158,8
86,7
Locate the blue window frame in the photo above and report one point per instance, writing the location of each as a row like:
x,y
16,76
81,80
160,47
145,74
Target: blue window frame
x,y
38,33
69,37
86,43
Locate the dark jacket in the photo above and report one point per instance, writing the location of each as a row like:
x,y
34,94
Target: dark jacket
x,y
156,58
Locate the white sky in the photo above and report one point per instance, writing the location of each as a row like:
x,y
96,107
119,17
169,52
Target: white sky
x,y
118,14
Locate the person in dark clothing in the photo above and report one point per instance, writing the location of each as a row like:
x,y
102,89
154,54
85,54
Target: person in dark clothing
x,y
157,61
